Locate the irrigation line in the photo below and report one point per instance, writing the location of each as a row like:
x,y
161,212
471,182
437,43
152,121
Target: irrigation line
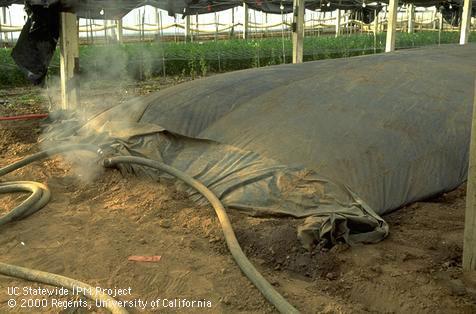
x,y
40,196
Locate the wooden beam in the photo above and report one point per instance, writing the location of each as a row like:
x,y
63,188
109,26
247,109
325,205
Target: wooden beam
x,y
4,16
159,20
391,25
187,29
119,31
232,30
246,21
465,23
69,61
433,17
376,23
469,245
411,18
216,25
1,33
440,21
266,23
105,32
337,23
298,30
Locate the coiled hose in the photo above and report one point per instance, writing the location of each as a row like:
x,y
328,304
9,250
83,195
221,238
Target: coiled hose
x,y
40,196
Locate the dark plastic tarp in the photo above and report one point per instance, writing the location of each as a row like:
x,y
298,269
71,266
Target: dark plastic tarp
x,y
340,142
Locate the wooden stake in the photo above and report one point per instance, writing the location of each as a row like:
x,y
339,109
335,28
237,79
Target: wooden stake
x,y
465,23
119,31
391,26
1,33
298,31
337,23
375,30
4,15
187,29
440,26
411,18
105,32
246,22
232,31
266,23
216,26
91,30
197,27
69,61
157,19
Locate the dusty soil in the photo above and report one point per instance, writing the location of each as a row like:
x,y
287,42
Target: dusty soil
x,y
89,229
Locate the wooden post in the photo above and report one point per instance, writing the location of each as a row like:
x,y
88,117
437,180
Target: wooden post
x,y
4,16
312,24
465,23
119,31
10,24
411,18
187,29
375,30
422,16
232,31
91,34
142,23
298,30
440,25
69,61
246,22
87,30
197,26
337,22
266,23
440,21
157,19
391,25
433,18
105,32
376,23
216,26
318,24
1,33
161,24
469,245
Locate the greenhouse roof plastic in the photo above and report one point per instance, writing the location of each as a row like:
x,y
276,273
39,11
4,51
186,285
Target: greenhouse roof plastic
x,y
117,8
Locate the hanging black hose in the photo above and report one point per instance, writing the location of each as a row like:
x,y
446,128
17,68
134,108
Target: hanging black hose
x,y
40,196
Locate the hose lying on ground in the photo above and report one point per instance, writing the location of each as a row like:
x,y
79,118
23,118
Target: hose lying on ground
x,y
40,196
245,265
40,193
56,280
25,117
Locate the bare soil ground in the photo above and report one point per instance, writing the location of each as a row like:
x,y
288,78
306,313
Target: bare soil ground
x,y
89,229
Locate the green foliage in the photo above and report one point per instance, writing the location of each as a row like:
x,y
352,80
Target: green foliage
x,y
10,75
140,61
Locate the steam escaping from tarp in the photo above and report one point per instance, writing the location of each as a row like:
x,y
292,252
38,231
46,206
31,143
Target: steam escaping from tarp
x,y
104,81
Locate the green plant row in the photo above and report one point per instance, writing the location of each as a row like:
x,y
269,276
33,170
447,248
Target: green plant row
x,y
140,61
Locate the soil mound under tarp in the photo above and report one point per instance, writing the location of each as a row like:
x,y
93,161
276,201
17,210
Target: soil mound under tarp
x,y
338,141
